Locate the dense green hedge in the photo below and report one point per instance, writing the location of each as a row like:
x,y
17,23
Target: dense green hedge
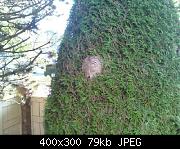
x,y
137,92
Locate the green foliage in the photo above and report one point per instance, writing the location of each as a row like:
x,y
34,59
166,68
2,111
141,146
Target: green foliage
x,y
137,92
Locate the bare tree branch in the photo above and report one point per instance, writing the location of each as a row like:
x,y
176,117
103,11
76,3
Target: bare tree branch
x,y
7,18
24,69
28,50
6,64
18,12
10,47
17,18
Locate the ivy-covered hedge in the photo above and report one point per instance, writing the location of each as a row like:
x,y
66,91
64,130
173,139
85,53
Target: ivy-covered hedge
x,y
137,93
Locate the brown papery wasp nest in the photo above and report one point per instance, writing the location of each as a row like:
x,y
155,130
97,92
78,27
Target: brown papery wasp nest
x,y
92,66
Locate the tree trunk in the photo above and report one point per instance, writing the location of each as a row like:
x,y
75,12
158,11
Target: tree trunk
x,y
26,117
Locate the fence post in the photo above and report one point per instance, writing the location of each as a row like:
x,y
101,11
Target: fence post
x,y
1,119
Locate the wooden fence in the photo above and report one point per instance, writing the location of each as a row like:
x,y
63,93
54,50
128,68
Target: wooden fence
x,y
10,117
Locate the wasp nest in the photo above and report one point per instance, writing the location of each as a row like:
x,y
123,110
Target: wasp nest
x,y
92,66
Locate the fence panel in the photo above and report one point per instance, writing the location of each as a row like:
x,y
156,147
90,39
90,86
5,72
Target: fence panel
x,y
37,115
10,118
